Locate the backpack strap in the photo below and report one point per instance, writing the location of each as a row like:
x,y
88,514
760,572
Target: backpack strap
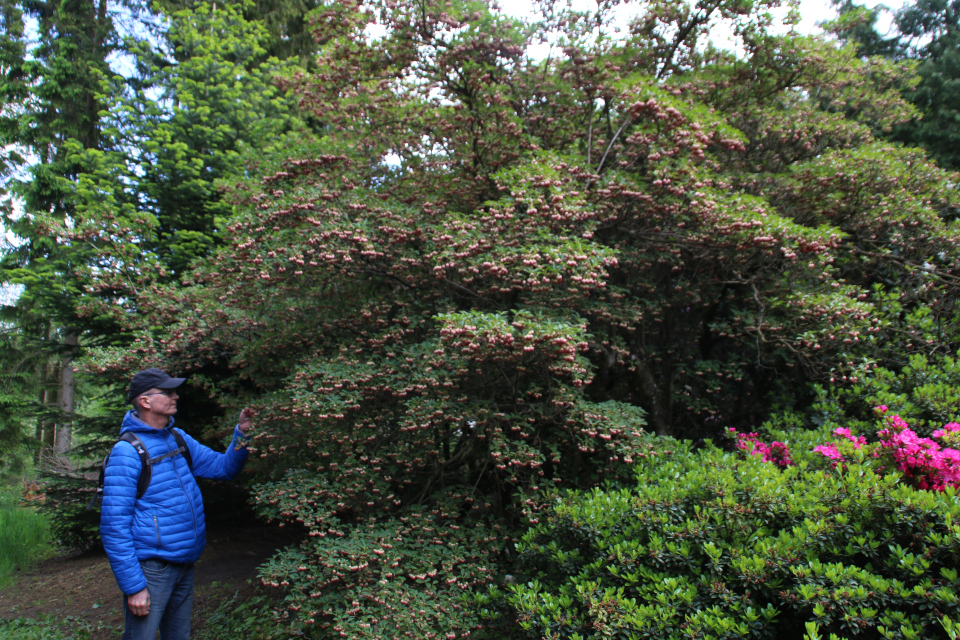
x,y
146,467
146,473
182,447
146,463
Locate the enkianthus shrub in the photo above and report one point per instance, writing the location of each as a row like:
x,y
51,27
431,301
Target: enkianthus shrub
x,y
728,545
408,575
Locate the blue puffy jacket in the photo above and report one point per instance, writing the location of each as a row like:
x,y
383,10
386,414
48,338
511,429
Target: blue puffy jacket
x,y
167,522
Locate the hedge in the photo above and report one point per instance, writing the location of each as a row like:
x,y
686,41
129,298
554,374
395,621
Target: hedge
x,y
725,545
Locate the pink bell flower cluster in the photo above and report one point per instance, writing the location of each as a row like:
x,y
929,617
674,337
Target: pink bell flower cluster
x,y
776,452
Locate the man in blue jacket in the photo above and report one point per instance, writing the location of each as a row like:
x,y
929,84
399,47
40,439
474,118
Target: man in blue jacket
x,y
153,541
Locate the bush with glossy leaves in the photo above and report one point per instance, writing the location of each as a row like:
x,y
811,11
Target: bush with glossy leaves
x,y
727,545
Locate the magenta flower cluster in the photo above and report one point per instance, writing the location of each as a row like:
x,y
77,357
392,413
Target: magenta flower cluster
x,y
831,451
776,452
930,465
927,463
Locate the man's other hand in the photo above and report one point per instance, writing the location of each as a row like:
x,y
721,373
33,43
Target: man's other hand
x,y
246,420
139,603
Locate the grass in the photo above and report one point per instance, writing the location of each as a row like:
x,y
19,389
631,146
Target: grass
x,y
24,535
44,629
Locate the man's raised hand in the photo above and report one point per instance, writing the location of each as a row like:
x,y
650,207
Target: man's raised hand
x,y
246,420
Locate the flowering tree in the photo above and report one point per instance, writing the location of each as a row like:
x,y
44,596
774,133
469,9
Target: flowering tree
x,y
493,270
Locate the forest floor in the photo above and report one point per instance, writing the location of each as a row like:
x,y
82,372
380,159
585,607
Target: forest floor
x,y
80,589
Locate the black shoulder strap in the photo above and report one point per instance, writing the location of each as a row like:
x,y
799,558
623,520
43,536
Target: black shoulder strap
x,y
182,444
146,469
181,448
146,473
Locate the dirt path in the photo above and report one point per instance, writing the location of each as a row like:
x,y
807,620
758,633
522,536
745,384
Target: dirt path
x,y
82,587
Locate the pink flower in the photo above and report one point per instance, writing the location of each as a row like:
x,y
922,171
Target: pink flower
x,y
858,441
896,423
830,451
921,459
950,433
777,452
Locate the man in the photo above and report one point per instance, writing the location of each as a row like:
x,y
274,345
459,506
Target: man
x,y
153,541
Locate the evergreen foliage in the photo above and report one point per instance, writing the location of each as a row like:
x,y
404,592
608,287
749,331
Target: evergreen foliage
x,y
724,545
19,383
925,392
932,29
927,32
197,104
201,108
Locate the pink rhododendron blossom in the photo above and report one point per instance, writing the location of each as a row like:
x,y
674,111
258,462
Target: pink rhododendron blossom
x,y
896,423
776,452
925,462
830,450
949,435
858,441
921,459
951,427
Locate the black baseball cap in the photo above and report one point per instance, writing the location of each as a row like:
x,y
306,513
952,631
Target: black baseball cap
x,y
151,379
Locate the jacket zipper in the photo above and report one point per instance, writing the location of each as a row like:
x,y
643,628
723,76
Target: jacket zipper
x,y
156,526
183,488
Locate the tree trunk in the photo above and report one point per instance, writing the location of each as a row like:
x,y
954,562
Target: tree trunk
x,y
68,387
46,429
653,399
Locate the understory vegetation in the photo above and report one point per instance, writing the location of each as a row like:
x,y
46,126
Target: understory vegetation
x,y
43,629
24,535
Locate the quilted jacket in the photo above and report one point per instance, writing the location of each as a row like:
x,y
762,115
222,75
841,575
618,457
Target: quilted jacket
x,y
167,522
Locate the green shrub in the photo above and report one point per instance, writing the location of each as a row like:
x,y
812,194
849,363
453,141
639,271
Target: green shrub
x,y
404,576
72,524
44,629
251,619
725,545
24,534
925,393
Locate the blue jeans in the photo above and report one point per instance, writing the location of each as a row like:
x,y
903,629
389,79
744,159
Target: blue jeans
x,y
171,602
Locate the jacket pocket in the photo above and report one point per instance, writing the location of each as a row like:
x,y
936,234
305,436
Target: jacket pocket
x,y
156,527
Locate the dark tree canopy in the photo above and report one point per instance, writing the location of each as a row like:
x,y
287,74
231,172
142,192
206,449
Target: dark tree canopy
x,y
928,32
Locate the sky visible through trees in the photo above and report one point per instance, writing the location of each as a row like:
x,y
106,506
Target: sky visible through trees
x,y
811,12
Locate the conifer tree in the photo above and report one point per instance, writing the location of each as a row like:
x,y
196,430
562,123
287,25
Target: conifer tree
x,y
50,101
117,173
928,33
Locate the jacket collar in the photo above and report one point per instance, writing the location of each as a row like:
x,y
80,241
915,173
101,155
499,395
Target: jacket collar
x,y
132,422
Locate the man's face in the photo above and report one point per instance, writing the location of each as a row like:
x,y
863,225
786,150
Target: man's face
x,y
160,401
